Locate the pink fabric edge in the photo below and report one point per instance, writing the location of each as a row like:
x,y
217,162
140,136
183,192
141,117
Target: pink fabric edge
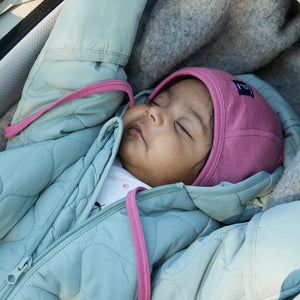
x,y
99,87
141,255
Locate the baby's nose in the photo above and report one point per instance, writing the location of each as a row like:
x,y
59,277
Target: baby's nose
x,y
157,115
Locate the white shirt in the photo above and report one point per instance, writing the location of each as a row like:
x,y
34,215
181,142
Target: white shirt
x,y
116,186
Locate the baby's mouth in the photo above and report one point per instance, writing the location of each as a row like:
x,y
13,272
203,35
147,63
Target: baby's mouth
x,y
135,129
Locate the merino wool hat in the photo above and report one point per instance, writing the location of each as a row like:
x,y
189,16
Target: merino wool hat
x,y
247,132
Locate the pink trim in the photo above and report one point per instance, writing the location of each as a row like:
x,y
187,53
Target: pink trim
x,y
100,87
141,256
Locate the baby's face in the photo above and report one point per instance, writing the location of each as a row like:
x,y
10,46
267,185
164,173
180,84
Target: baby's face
x,y
167,140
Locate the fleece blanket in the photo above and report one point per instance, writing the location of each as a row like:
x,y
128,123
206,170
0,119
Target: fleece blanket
x,y
246,36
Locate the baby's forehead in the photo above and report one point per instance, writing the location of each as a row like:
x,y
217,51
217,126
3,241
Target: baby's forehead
x,y
187,87
192,86
200,96
184,80
189,82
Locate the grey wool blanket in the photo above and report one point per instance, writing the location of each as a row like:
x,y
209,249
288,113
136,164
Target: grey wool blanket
x,y
246,36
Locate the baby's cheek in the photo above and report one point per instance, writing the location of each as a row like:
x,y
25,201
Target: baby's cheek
x,y
133,114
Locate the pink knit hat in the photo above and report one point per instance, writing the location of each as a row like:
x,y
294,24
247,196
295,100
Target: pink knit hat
x,y
247,132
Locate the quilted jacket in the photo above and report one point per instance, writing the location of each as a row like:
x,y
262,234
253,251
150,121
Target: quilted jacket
x,y
202,243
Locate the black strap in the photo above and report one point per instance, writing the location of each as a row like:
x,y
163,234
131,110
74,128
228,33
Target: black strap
x,y
21,29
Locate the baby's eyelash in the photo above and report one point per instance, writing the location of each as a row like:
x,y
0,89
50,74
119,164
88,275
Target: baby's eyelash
x,y
154,103
183,129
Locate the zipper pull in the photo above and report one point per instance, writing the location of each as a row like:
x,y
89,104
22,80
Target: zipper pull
x,y
21,268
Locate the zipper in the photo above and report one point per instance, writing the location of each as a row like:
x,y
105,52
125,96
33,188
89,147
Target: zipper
x,y
21,268
26,263
28,267
12,278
